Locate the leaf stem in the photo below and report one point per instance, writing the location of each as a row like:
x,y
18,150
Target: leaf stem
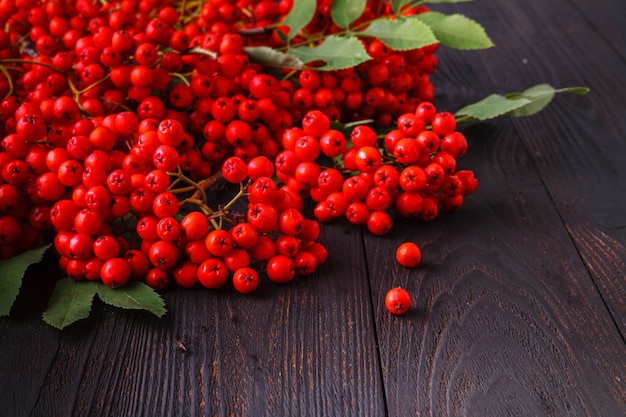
x,y
464,119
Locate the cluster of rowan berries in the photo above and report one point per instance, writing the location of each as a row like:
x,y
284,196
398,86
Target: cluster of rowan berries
x,y
414,172
118,117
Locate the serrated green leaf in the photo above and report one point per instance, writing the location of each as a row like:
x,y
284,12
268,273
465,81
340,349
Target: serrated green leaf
x,y
400,34
134,295
338,52
539,97
344,12
12,273
456,31
70,301
491,107
270,57
299,16
526,103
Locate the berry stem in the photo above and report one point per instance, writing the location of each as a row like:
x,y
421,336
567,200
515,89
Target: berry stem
x,y
180,177
241,193
180,77
5,71
30,62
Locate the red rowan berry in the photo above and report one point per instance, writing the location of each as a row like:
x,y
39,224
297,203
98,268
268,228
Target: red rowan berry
x,y
397,301
408,254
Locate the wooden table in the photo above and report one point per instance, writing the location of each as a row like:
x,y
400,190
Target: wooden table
x,y
519,303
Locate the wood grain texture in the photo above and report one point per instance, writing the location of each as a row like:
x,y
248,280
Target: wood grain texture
x,y
28,348
519,303
577,146
508,321
27,351
607,17
302,349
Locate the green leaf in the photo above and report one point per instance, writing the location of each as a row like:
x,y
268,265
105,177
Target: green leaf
x,y
301,14
267,56
456,31
12,272
491,107
337,52
70,301
133,295
344,12
397,5
539,97
526,103
400,34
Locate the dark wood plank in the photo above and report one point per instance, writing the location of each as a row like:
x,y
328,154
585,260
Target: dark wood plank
x,y
507,319
577,144
302,349
607,17
28,348
518,303
27,351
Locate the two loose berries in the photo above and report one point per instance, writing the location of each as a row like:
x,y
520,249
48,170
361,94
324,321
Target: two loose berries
x,y
398,300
